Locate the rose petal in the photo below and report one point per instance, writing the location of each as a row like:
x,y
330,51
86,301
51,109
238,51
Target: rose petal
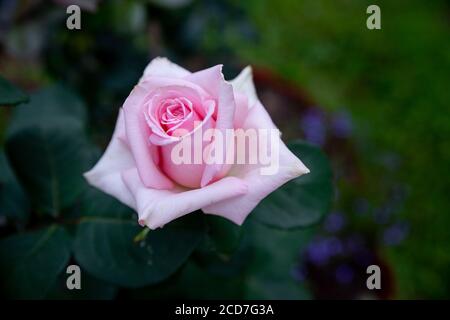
x,y
242,109
158,207
225,119
243,83
290,167
106,174
163,67
157,140
162,83
209,79
138,134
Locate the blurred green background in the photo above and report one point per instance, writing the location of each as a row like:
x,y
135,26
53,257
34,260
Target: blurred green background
x,y
376,101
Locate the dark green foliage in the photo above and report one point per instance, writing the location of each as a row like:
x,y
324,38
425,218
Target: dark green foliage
x,y
32,261
302,201
105,247
10,95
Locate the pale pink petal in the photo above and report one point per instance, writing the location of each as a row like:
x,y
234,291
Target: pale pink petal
x,y
158,207
209,79
157,140
243,83
138,134
232,112
152,83
106,174
242,109
290,167
225,119
163,67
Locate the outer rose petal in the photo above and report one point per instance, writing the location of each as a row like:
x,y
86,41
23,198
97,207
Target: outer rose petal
x,y
290,167
243,83
106,174
225,120
209,79
154,82
237,209
158,207
162,67
138,134
242,109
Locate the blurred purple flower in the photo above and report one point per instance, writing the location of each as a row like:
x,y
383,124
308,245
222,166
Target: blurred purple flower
x,y
365,257
334,222
344,274
321,250
318,252
356,246
341,124
354,243
395,234
314,127
335,246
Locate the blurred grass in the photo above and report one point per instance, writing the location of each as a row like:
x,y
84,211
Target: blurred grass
x,y
395,82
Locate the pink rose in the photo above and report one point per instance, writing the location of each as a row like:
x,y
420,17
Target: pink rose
x,y
168,107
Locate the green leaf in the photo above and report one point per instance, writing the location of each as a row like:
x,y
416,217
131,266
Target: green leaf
x,y
192,282
195,282
105,248
14,203
274,255
223,236
10,94
304,200
54,102
48,148
96,204
49,161
222,251
31,262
